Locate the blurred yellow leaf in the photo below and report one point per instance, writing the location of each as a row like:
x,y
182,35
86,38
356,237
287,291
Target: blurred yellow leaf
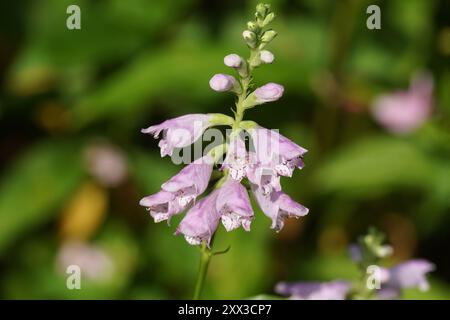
x,y
84,212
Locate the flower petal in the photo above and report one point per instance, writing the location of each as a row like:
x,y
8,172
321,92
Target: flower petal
x,y
196,174
200,221
160,205
234,206
179,132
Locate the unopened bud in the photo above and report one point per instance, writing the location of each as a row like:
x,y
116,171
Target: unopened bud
x,y
222,82
232,61
250,38
266,56
268,36
268,19
269,92
262,10
252,26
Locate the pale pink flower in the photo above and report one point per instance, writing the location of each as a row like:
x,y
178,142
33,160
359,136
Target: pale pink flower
x,y
404,111
237,160
276,151
106,163
277,206
94,262
180,191
409,274
233,205
201,221
179,132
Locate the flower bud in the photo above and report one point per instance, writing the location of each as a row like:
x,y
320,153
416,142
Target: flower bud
x,y
222,82
238,63
232,61
269,92
250,38
268,36
262,10
268,19
266,56
252,26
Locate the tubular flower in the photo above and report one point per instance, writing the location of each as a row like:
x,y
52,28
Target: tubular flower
x,y
180,191
277,206
276,151
233,205
179,132
264,178
200,221
237,160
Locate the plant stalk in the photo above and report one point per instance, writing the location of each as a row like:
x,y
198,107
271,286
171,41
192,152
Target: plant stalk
x,y
205,257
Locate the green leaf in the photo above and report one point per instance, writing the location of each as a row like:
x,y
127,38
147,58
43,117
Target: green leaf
x,y
110,31
374,165
439,290
143,164
35,186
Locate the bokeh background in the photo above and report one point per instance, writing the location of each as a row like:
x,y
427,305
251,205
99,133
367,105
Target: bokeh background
x,y
74,163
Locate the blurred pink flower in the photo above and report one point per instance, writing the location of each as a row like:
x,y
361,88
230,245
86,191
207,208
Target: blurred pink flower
x,y
403,112
93,262
334,290
409,274
106,163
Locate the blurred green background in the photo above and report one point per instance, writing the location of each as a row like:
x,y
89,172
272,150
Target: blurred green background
x,y
74,163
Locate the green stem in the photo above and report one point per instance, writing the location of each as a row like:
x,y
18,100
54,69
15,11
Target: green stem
x,y
205,257
245,83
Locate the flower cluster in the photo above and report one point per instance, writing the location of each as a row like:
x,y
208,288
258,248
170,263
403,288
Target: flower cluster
x,y
262,161
366,254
